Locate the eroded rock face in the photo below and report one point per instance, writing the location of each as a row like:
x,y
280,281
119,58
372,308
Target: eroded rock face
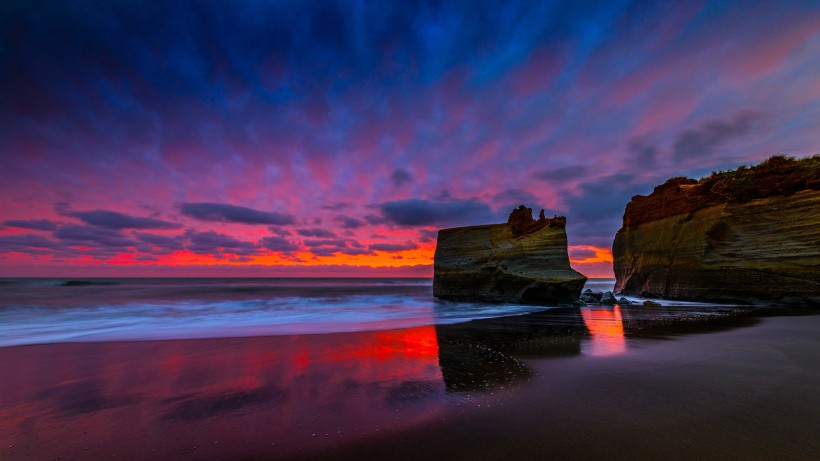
x,y
693,241
522,261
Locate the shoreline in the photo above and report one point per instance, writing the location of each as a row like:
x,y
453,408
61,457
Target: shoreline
x,y
405,393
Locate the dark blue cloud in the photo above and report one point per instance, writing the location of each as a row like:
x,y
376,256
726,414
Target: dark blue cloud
x,y
34,224
278,243
562,174
316,232
119,221
336,206
594,214
329,247
401,177
214,243
391,247
160,244
426,235
221,212
348,222
418,212
93,236
511,198
711,134
27,243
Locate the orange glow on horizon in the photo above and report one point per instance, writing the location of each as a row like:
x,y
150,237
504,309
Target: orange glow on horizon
x,y
600,254
591,261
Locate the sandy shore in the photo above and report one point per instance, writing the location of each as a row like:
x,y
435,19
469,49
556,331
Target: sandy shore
x,y
569,384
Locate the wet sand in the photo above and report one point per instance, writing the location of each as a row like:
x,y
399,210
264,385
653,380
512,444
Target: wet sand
x,y
609,383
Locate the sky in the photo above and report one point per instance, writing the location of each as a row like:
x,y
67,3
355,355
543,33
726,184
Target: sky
x,y
244,138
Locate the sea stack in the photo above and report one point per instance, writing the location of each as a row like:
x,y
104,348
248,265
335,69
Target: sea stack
x,y
750,236
522,261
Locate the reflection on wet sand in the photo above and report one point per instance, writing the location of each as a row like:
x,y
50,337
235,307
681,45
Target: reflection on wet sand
x,y
269,397
215,398
606,329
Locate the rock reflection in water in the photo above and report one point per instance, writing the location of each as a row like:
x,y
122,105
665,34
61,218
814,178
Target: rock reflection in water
x,y
484,354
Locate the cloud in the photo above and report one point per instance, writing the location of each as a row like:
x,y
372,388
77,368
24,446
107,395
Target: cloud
x,y
643,151
93,236
336,206
280,230
392,247
160,244
279,244
221,212
595,210
512,198
605,197
393,91
119,221
329,247
214,243
349,223
401,177
317,232
27,243
562,174
374,220
711,134
426,235
34,224
325,243
418,212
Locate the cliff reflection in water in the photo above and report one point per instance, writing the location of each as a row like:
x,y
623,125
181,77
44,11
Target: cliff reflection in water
x,y
606,329
484,354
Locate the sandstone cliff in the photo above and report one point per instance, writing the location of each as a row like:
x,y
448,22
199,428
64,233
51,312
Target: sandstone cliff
x,y
750,236
523,261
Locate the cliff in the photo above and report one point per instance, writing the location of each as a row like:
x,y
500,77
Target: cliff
x,y
522,261
746,236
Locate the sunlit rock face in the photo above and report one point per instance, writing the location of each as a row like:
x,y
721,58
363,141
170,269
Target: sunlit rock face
x,y
715,241
522,261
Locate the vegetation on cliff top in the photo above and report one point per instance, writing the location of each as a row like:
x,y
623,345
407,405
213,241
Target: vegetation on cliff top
x,y
777,176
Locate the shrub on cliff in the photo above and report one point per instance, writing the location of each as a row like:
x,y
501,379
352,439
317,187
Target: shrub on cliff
x,y
777,176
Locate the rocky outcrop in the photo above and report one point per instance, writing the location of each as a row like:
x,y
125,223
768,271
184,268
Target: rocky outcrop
x,y
522,261
745,236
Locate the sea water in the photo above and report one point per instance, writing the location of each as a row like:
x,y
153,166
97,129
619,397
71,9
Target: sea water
x,y
38,311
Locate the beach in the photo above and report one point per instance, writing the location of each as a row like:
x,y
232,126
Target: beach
x,y
623,382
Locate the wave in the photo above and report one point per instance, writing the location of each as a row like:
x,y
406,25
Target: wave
x,y
259,317
84,283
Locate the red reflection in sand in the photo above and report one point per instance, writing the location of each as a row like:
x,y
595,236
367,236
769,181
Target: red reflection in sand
x,y
217,398
606,328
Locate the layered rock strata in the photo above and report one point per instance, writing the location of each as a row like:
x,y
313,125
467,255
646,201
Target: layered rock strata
x,y
522,261
746,236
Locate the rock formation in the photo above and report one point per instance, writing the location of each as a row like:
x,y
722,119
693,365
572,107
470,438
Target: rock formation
x,y
522,261
751,236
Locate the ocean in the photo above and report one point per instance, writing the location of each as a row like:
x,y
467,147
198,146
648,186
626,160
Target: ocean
x,y
40,311
238,369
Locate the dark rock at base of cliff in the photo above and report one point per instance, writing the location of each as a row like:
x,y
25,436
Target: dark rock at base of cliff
x,y
608,299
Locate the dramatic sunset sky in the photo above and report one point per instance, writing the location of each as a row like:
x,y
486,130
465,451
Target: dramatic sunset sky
x,y
333,138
